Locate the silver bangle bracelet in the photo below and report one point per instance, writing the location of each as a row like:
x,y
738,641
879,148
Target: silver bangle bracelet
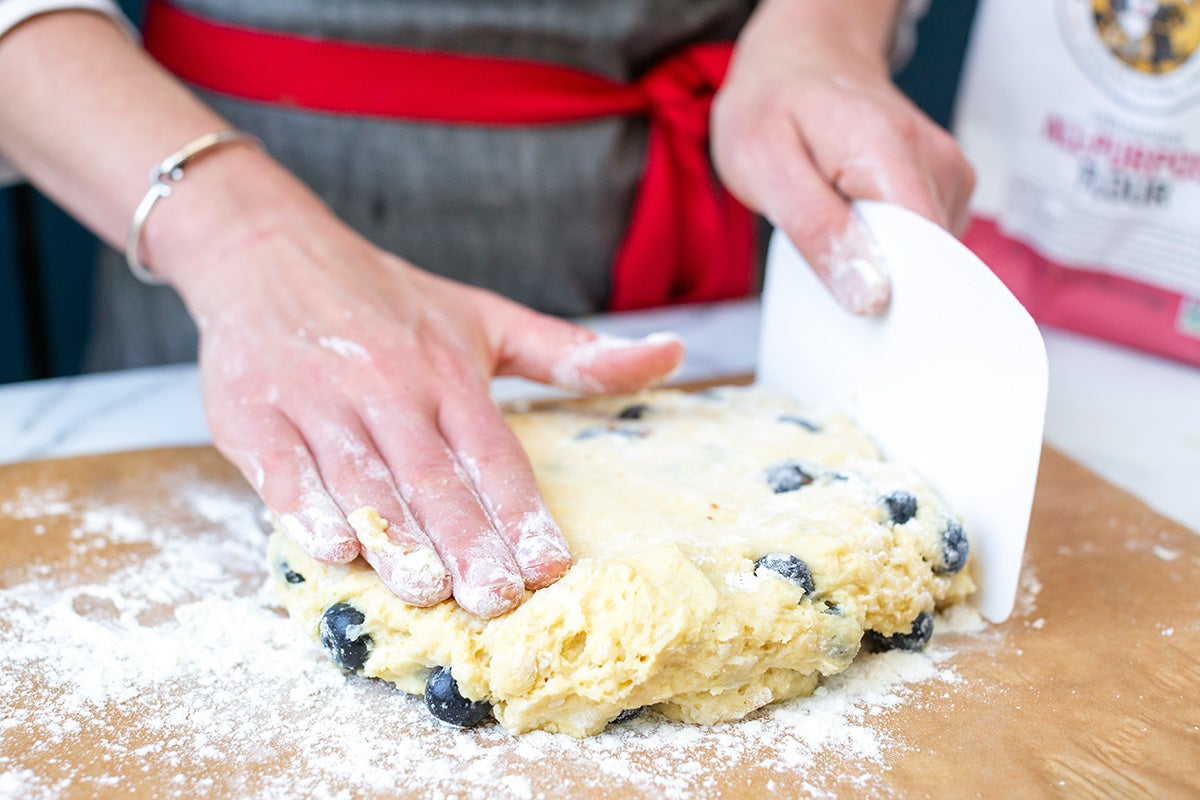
x,y
166,172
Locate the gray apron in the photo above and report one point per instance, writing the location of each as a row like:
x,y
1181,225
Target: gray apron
x,y
536,214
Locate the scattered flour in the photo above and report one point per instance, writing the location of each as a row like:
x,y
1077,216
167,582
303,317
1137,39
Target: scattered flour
x,y
1028,590
176,661
1164,553
343,347
30,505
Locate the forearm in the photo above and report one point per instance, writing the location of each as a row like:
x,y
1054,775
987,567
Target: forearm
x,y
85,114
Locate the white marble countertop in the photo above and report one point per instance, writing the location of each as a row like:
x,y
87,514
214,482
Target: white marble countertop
x,y
1132,418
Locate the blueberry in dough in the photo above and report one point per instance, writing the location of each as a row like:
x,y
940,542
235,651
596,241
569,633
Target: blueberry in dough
x,y
791,419
954,550
444,701
290,575
628,715
788,567
915,639
787,476
901,506
342,638
635,411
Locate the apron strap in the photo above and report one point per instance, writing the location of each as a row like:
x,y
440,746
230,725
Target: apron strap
x,y
688,239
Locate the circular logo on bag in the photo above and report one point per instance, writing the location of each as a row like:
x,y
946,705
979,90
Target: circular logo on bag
x,y
1149,35
1140,52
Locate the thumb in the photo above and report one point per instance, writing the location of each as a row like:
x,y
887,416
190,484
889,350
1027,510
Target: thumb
x,y
836,244
552,351
849,262
780,179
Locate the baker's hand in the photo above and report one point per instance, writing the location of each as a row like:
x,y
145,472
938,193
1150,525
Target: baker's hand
x,y
808,120
336,375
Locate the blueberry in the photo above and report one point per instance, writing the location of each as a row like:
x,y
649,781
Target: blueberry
x,y
635,411
791,419
290,575
787,476
443,700
342,638
789,567
915,639
628,715
954,550
628,431
901,506
841,650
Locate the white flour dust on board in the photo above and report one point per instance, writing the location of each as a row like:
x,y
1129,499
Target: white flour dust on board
x,y
171,658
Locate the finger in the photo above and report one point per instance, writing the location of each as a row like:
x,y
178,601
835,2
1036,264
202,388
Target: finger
x,y
893,177
902,158
936,186
400,553
504,479
962,187
556,352
798,199
952,174
391,541
485,577
600,363
271,453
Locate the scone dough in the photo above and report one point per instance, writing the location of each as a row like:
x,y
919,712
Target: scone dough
x,y
668,499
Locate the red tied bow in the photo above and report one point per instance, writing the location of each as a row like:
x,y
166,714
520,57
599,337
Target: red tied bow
x,y
688,239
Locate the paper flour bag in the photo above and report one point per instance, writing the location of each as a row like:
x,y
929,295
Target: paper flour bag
x,y
1082,118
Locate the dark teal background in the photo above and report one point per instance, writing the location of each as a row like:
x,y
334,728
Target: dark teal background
x,y
46,259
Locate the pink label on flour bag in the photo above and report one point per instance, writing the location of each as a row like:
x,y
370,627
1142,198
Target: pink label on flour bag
x,y
1082,119
1095,303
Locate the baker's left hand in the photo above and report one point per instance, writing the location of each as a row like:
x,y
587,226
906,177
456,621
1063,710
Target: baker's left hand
x,y
809,120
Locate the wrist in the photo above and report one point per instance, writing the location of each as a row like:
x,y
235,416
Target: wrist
x,y
226,198
163,179
855,33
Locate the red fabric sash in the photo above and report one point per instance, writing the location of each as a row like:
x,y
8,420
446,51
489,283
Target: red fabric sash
x,y
688,239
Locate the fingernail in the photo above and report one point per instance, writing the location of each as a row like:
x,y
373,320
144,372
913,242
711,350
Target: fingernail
x,y
861,286
490,589
658,338
856,272
415,574
541,551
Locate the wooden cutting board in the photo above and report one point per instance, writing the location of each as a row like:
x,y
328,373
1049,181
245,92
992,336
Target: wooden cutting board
x,y
141,656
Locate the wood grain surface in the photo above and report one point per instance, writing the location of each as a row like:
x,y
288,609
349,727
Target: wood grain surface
x,y
1092,689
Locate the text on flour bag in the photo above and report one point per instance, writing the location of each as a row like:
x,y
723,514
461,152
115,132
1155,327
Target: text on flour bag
x,y
1082,120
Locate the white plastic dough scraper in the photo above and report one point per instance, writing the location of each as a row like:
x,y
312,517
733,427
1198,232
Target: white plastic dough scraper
x,y
951,380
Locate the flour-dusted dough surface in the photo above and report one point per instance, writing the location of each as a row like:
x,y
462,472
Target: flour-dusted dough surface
x,y
668,500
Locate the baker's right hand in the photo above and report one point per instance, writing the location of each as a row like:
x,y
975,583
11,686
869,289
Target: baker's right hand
x,y
336,376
